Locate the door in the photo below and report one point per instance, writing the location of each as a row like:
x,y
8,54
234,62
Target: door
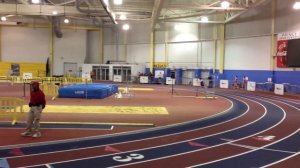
x,y
70,69
187,77
126,75
104,73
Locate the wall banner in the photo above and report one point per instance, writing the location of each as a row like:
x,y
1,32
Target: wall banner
x,y
224,84
282,44
279,89
251,86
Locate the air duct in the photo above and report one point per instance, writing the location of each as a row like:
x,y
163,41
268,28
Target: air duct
x,y
78,2
56,26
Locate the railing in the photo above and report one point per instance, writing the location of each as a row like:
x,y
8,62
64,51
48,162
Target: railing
x,y
11,107
50,89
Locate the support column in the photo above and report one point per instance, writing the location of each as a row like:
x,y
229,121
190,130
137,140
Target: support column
x,y
273,40
125,46
222,48
215,40
101,48
167,48
0,43
151,51
51,50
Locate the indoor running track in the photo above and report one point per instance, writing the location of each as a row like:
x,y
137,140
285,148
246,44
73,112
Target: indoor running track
x,y
257,131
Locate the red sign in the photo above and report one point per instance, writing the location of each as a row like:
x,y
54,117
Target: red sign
x,y
282,53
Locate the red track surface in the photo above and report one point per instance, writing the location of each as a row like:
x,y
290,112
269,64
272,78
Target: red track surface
x,y
180,109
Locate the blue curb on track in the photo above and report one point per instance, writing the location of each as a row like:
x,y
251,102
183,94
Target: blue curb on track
x,y
239,108
273,117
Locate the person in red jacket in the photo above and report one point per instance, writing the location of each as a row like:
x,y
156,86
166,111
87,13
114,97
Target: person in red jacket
x,y
37,104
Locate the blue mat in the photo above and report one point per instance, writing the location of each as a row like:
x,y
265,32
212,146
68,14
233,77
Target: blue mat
x,y
89,91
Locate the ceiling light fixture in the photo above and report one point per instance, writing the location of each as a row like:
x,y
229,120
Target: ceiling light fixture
x,y
66,21
54,12
3,18
296,5
122,17
177,27
204,19
125,27
35,1
225,4
118,2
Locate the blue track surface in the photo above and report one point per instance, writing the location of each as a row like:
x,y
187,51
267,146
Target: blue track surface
x,y
264,156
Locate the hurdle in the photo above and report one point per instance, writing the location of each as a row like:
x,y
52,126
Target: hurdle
x,y
11,107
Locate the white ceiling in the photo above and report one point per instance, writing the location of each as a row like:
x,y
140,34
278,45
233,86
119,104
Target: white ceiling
x,y
155,11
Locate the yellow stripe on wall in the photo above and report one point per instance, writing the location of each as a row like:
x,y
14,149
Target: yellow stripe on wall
x,y
37,69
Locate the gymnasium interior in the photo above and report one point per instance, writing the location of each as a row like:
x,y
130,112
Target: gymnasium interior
x,y
151,83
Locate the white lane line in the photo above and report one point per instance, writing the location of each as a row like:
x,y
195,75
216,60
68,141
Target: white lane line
x,y
271,164
253,148
263,147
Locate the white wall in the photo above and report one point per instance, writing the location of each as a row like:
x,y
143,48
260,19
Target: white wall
x,y
183,54
93,55
206,57
160,54
287,19
248,53
185,32
70,48
25,44
138,54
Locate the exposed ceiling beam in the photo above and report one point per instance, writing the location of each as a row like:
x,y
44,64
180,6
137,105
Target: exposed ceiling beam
x,y
185,21
196,14
202,7
46,10
156,12
65,3
257,3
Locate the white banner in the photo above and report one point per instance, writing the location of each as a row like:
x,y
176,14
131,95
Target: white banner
x,y
288,35
196,82
144,79
27,75
279,89
251,86
117,78
224,84
86,75
159,74
170,81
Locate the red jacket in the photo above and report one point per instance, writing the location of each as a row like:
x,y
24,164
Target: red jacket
x,y
37,98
